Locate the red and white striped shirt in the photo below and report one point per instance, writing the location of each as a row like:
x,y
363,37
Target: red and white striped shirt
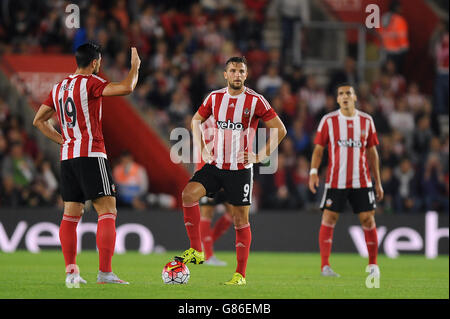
x,y
77,101
348,138
236,120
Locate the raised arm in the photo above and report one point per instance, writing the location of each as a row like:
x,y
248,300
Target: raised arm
x,y
40,121
127,85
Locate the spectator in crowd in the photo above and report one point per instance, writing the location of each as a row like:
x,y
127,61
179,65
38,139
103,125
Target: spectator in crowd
x,y
290,155
388,157
292,13
408,187
443,154
20,29
270,83
440,52
132,182
149,22
257,59
365,94
37,195
380,121
399,143
198,18
87,32
415,98
119,69
3,147
296,78
301,179
250,32
51,31
300,138
140,96
284,197
160,95
10,195
309,121
119,12
434,188
138,39
19,166
396,81
179,107
18,172
422,137
330,106
4,113
402,119
213,40
391,200
258,7
348,74
277,105
394,35
439,149
384,95
313,94
288,99
427,110
115,43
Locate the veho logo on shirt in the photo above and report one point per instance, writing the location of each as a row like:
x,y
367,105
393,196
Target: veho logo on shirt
x,y
349,143
230,125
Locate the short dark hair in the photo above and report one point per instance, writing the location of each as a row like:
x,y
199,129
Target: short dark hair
x,y
343,84
87,52
236,59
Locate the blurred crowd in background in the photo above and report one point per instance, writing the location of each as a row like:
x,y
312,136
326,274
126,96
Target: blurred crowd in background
x,y
183,46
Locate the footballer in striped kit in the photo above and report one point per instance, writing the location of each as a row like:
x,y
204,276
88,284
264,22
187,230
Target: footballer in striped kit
x,y
85,170
351,139
236,111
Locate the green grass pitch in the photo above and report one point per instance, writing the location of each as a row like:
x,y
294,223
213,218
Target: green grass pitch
x,y
269,276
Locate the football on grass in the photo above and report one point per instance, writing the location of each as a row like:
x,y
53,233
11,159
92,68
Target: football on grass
x,y
175,272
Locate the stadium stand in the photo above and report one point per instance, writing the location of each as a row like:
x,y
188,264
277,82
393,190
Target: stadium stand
x,y
183,46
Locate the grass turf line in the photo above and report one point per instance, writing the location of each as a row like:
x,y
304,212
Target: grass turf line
x,y
270,275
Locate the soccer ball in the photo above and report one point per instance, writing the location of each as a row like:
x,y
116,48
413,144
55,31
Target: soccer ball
x,y
175,272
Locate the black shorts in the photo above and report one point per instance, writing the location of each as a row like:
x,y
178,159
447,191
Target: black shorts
x,y
360,199
218,198
237,184
86,178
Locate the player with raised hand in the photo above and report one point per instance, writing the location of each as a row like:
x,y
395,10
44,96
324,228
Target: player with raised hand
x,y
85,170
236,110
352,154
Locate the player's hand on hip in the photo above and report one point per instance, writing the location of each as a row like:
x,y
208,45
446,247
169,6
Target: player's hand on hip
x,y
206,155
379,192
248,157
313,182
135,60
